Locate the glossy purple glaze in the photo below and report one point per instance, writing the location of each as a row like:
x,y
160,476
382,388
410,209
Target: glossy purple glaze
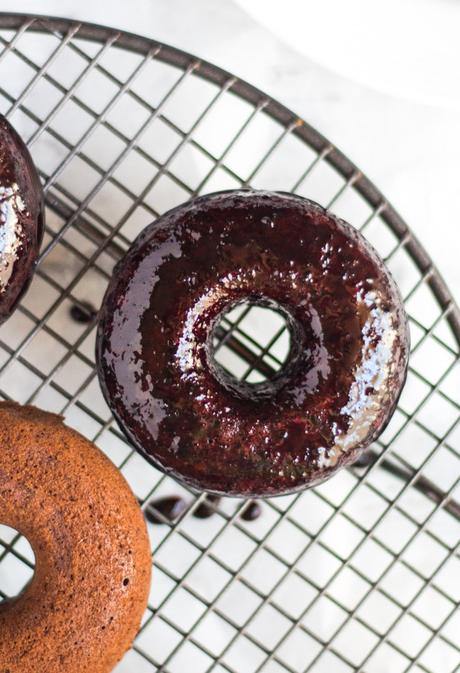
x,y
21,218
345,373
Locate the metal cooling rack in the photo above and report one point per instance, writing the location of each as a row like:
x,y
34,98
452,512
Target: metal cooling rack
x,y
360,574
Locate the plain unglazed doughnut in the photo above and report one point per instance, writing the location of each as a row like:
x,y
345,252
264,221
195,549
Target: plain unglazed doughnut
x,y
349,338
21,218
84,604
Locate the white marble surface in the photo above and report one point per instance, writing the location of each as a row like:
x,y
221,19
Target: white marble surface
x,y
410,150
420,65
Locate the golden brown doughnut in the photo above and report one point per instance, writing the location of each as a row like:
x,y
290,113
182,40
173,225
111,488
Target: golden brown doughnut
x,y
84,604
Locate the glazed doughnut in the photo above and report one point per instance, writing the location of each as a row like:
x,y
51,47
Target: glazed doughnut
x,y
183,412
84,604
21,218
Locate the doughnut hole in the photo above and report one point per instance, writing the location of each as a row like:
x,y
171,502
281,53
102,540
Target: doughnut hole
x,y
17,563
252,347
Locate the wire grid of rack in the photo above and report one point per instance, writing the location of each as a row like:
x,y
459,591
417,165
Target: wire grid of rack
x,y
359,574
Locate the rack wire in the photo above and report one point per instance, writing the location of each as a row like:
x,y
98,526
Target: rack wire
x,y
360,574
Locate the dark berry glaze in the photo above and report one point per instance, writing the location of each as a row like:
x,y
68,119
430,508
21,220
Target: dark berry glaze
x,y
21,218
346,368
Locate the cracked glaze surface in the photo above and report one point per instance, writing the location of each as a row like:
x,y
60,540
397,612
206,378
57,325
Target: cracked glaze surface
x,y
21,218
348,326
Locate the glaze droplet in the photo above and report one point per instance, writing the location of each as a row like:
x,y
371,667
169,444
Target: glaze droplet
x,y
169,508
365,459
84,312
207,508
251,511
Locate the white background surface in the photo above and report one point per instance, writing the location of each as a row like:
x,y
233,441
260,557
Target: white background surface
x,y
408,48
409,149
